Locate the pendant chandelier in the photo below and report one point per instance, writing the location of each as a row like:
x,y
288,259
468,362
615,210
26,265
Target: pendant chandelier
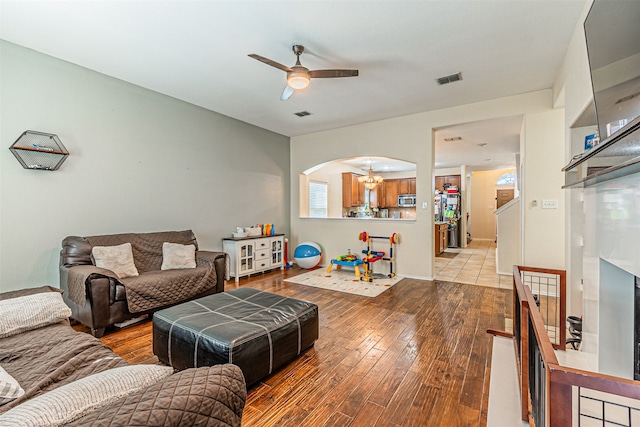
x,y
370,181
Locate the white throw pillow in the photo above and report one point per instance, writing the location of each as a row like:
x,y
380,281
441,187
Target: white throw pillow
x,y
71,401
31,312
177,256
9,388
118,259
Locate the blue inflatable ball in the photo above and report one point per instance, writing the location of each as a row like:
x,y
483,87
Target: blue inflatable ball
x,y
307,255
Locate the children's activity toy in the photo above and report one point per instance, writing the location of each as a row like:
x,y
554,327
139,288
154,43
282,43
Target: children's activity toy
x,y
350,260
370,256
308,255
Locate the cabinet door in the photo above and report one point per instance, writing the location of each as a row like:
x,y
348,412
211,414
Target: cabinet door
x,y
346,190
445,236
412,186
373,197
245,257
391,193
380,200
452,180
403,186
276,251
359,190
352,190
377,196
447,179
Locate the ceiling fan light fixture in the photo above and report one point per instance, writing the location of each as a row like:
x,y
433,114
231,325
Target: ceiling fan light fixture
x,y
298,80
298,77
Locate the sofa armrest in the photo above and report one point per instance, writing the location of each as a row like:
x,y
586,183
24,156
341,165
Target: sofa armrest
x,y
213,396
220,261
77,282
90,291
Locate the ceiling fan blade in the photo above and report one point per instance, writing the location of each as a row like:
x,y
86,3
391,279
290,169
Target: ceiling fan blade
x,y
286,93
270,62
332,73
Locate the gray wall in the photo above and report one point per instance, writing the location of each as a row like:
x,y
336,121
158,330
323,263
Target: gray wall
x,y
139,162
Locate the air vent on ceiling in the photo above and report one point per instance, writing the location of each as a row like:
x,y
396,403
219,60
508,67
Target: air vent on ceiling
x,y
302,113
449,79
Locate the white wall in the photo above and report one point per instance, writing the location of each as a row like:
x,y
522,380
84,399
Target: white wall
x,y
407,138
483,202
543,240
509,228
139,162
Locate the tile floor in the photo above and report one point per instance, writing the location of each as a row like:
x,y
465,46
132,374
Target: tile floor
x,y
474,265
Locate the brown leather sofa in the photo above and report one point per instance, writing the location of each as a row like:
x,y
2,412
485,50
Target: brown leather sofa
x,y
98,298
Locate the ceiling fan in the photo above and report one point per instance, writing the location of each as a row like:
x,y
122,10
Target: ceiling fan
x,y
298,77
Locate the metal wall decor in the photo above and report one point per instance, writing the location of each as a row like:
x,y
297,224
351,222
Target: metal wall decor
x,y
39,151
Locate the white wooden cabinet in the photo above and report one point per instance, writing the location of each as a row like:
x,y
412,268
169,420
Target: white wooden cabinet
x,y
254,254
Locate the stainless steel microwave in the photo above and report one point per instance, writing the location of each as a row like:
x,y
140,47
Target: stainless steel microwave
x,y
406,200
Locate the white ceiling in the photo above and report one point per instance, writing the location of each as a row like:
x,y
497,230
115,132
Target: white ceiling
x,y
197,51
380,164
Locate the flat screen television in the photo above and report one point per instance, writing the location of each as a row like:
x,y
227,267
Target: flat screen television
x,y
612,30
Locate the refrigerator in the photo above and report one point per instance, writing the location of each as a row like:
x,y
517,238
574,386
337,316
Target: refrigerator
x,y
451,213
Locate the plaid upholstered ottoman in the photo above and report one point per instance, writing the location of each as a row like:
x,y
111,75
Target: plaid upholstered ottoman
x,y
255,330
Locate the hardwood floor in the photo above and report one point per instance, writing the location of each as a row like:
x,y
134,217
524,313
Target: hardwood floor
x,y
417,355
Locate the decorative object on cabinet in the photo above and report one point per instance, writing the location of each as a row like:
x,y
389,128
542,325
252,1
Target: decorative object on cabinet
x,y
254,254
39,151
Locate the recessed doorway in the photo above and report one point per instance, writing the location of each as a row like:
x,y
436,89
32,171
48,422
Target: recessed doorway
x,y
503,197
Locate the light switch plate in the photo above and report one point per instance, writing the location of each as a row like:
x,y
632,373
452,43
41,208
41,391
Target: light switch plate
x,y
424,205
549,204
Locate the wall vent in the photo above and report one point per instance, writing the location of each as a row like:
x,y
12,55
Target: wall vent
x,y
302,113
449,79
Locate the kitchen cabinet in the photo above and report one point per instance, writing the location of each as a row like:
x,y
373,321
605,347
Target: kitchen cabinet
x,y
407,186
391,188
440,237
352,190
447,179
257,254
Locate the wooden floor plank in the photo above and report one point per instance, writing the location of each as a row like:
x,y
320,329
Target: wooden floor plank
x,y
416,355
